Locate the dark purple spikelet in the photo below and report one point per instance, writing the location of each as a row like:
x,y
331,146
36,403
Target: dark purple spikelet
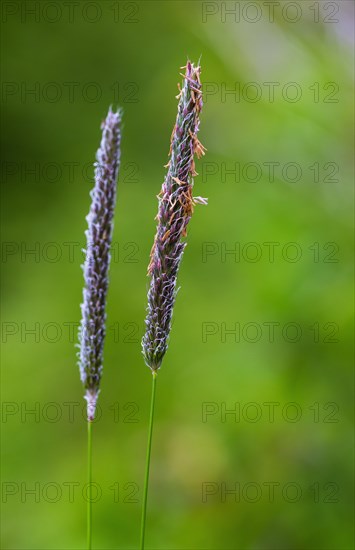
x,y
176,205
98,235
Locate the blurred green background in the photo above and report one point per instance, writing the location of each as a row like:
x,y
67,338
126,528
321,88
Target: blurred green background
x,y
291,470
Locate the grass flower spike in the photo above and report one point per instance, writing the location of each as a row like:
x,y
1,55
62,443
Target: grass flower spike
x,y
98,235
176,205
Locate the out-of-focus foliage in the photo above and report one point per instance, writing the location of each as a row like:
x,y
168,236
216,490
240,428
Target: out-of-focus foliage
x,y
269,257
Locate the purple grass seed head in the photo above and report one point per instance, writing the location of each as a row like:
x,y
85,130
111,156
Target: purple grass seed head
x,y
176,206
97,260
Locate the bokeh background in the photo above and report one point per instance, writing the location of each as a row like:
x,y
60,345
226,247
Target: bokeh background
x,y
77,62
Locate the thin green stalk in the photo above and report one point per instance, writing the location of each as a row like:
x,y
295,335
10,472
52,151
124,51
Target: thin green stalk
x,y
147,466
89,494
